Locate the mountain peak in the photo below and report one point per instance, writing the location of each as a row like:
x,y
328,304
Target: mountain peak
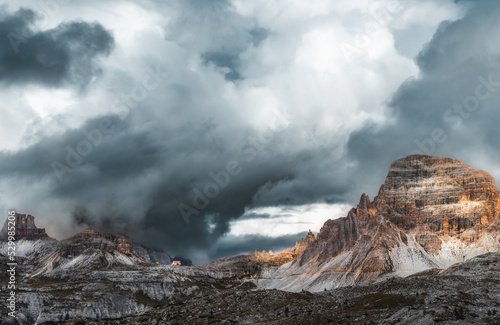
x,y
25,228
90,240
431,212
426,191
310,237
424,160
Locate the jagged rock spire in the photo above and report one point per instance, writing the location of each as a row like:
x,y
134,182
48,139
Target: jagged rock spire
x,y
310,237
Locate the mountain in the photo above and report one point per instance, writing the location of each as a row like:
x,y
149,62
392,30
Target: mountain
x,y
88,249
92,249
424,250
431,212
25,228
92,274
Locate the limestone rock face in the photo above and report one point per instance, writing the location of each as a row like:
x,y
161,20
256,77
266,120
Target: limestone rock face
x,y
431,212
25,228
438,194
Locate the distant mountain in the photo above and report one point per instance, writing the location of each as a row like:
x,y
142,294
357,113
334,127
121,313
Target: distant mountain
x,y
92,249
431,212
92,274
89,249
25,228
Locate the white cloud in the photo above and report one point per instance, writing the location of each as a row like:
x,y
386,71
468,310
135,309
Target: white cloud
x,y
286,220
299,66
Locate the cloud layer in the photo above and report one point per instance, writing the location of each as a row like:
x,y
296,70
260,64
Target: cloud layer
x,y
200,112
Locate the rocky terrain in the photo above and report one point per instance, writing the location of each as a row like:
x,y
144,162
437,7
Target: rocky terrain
x,y
424,250
467,293
92,275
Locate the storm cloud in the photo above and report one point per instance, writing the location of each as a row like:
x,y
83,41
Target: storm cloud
x,y
67,53
257,106
134,182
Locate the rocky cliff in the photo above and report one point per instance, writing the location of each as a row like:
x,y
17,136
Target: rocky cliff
x,y
25,228
287,255
440,195
431,212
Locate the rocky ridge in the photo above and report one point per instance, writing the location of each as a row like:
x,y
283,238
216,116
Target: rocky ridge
x,y
88,249
285,256
431,212
93,240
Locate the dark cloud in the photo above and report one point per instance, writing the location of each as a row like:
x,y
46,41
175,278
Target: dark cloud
x,y
130,169
258,35
251,216
224,60
164,153
67,53
135,178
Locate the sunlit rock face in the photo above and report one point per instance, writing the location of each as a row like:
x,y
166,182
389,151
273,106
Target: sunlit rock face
x,y
438,194
431,212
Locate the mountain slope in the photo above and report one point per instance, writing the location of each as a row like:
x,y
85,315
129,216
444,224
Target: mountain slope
x,y
93,249
89,249
463,294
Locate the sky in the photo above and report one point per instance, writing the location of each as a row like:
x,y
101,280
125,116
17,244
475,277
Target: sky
x,y
210,128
